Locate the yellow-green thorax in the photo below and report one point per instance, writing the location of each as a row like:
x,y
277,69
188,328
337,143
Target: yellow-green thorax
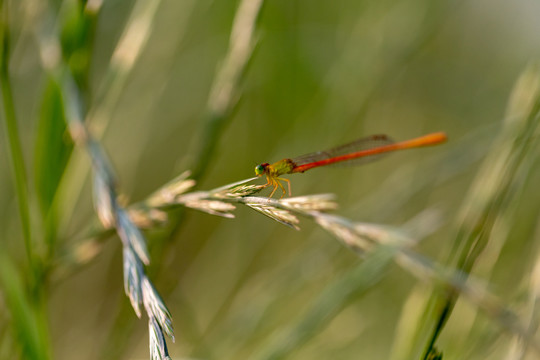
x,y
273,173
279,168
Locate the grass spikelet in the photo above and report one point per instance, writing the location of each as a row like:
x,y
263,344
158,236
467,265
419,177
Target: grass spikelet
x,y
133,273
157,343
170,192
284,217
132,236
104,202
147,218
230,188
155,307
213,207
321,202
240,191
343,232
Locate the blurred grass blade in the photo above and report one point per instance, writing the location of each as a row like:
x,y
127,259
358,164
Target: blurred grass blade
x,y
53,145
127,52
77,39
495,185
12,131
225,91
25,322
53,148
329,304
519,349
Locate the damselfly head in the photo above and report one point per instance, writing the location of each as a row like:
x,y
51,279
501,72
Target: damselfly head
x,y
261,169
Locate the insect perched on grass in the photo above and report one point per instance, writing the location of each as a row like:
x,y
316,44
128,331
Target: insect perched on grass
x,y
357,152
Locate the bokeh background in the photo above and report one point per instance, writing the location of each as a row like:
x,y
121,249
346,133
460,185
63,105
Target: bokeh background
x,y
322,73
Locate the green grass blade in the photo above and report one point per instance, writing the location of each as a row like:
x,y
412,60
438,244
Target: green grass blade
x,y
52,151
27,326
14,142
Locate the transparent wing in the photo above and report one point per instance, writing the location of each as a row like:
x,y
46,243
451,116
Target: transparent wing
x,y
367,143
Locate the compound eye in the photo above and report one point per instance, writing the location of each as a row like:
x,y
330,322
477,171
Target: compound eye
x,y
259,169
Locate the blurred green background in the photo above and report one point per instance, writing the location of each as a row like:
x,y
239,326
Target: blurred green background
x,y
322,73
